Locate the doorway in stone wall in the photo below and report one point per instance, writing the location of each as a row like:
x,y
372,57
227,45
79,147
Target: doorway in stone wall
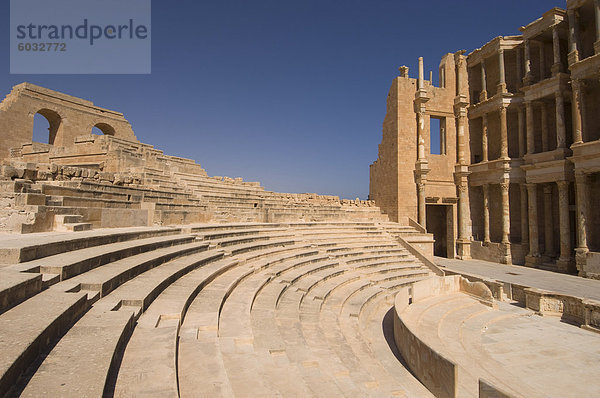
x,y
439,223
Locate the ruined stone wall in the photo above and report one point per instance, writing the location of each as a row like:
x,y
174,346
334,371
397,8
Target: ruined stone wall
x,y
67,116
383,186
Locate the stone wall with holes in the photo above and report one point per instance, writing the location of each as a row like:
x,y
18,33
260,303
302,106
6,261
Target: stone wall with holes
x,y
68,117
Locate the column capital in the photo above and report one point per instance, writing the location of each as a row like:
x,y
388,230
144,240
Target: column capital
x,y
562,184
547,189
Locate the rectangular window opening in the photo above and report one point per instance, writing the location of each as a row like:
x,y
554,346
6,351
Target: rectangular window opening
x,y
437,135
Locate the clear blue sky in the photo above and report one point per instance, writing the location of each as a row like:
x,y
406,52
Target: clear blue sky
x,y
289,93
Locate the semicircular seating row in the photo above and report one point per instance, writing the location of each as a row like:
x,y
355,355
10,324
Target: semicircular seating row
x,y
215,310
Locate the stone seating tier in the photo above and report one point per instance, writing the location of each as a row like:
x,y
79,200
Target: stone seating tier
x,y
41,194
232,287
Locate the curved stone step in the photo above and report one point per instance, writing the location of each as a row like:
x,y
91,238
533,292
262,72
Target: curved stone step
x,y
146,371
201,348
93,345
31,328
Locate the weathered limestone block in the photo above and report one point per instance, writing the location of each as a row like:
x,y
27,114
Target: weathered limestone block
x,y
22,199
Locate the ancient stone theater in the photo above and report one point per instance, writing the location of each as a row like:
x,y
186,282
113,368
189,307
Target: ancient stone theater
x,y
128,272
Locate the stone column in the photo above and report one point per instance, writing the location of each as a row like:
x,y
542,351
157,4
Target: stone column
x,y
524,218
565,227
464,243
506,256
545,132
557,66
542,61
527,78
534,245
597,14
443,140
483,95
573,37
581,187
530,126
582,210
502,84
522,148
548,221
421,83
561,133
486,214
421,200
503,134
484,138
576,108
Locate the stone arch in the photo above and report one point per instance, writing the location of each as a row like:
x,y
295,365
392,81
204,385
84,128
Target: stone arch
x,y
54,122
76,117
106,128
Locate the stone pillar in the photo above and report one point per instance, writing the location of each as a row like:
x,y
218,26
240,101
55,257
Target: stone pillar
x,y
524,218
548,221
522,148
502,84
503,134
483,95
421,84
561,133
581,187
530,126
534,245
545,132
486,214
421,199
573,37
484,138
557,65
597,14
542,62
576,108
527,78
564,261
464,243
506,255
443,140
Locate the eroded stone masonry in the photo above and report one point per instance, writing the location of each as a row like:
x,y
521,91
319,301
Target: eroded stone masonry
x,y
519,154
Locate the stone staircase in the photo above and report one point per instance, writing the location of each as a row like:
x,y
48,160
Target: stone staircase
x,y
211,310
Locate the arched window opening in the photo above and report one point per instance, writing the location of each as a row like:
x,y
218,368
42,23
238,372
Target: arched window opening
x,y
103,128
45,126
